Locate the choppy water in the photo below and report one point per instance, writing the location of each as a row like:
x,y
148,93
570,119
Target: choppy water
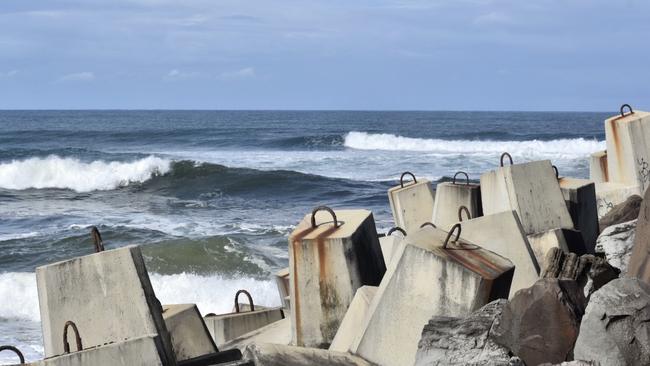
x,y
212,196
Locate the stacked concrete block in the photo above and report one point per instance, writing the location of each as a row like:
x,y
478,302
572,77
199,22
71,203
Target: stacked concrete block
x,y
431,274
282,282
277,333
580,196
451,196
628,148
190,336
390,241
353,320
611,194
411,203
331,255
226,327
598,167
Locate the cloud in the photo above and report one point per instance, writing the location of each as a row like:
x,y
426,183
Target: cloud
x,y
78,76
8,74
176,74
494,17
245,73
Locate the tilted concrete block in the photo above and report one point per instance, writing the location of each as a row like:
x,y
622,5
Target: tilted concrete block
x,y
628,148
411,203
277,333
107,295
426,279
580,196
353,320
282,281
569,241
390,241
190,336
451,196
609,195
226,327
502,233
598,167
532,190
265,354
331,255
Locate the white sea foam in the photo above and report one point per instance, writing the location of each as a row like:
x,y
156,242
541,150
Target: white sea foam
x,y
383,141
70,173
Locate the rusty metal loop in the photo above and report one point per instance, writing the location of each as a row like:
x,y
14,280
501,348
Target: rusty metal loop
x,y
66,345
97,239
428,224
628,107
557,172
323,208
453,228
460,213
509,157
250,300
466,177
14,350
396,228
401,179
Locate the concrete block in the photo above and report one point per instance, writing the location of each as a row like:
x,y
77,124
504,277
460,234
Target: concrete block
x,y
277,333
450,196
530,189
541,243
628,148
282,281
609,195
278,355
226,327
331,255
390,241
190,336
353,320
580,196
411,203
502,233
426,279
107,295
598,167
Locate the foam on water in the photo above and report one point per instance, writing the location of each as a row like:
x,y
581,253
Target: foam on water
x,y
71,173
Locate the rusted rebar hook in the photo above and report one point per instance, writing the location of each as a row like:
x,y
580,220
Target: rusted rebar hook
x,y
396,228
453,228
466,178
428,223
462,209
401,178
66,345
250,300
623,109
557,173
14,350
509,158
323,208
97,239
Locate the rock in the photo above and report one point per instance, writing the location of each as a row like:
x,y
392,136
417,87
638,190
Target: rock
x,y
615,329
573,363
265,354
464,341
639,265
623,212
616,243
541,323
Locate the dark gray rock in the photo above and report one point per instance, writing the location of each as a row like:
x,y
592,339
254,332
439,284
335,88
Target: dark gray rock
x,y
616,243
623,212
616,327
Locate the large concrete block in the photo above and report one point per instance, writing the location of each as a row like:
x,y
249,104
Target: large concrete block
x,y
426,279
353,320
282,280
450,196
411,203
532,190
331,255
190,336
542,242
226,327
389,241
502,233
598,167
278,355
609,195
628,148
107,295
277,333
580,196
639,265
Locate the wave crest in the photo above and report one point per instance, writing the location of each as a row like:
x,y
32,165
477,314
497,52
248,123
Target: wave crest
x,y
71,173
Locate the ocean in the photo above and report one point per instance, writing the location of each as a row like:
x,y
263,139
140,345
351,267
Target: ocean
x,y
212,195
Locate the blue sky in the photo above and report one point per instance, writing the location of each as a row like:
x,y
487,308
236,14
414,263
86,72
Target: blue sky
x,y
423,55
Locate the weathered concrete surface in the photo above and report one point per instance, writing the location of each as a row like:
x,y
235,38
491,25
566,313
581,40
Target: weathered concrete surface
x,y
108,296
540,324
573,363
639,265
628,151
519,187
580,196
412,205
502,233
616,327
450,197
388,244
542,242
278,355
328,264
190,336
225,327
276,333
610,194
425,280
625,211
282,280
353,320
616,243
448,341
598,167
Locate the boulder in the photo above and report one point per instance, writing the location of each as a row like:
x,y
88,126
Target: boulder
x,y
616,327
464,341
639,265
573,363
540,324
616,243
623,212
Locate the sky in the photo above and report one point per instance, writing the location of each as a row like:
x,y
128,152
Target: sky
x,y
571,55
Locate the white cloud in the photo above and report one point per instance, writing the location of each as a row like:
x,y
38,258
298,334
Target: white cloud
x,y
78,76
8,74
245,73
493,17
176,74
